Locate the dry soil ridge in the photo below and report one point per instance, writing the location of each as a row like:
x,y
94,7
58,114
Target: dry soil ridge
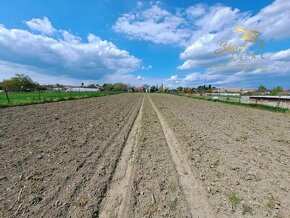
x,y
192,188
118,196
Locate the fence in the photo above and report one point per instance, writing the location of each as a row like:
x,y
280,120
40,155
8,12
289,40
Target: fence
x,y
275,101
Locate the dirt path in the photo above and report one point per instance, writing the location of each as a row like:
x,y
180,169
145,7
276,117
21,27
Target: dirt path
x,y
118,196
153,177
194,192
156,191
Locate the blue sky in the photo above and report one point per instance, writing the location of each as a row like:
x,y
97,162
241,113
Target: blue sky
x,y
140,42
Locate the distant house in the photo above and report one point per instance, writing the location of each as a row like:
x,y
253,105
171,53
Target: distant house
x,y
72,87
247,90
101,88
82,90
285,92
226,90
57,89
139,89
164,88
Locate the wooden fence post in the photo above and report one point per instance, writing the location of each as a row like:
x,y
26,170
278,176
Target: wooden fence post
x,y
7,95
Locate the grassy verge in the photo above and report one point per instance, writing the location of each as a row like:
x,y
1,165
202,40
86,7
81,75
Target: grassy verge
x,y
20,99
258,106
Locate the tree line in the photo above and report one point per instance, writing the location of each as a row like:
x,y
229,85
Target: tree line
x,y
19,83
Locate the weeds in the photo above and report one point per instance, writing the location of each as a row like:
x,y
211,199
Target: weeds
x,y
243,138
173,188
233,199
36,200
37,190
247,209
269,202
214,165
173,205
82,201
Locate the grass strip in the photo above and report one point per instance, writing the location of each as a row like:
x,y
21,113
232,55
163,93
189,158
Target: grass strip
x,y
28,100
251,105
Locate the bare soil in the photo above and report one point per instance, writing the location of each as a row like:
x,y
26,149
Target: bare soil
x,y
242,155
139,155
57,159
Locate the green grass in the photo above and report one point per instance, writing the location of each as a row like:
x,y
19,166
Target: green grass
x,y
173,205
27,98
37,190
269,202
251,105
233,199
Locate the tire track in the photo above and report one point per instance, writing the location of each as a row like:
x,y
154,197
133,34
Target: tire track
x,y
118,196
192,188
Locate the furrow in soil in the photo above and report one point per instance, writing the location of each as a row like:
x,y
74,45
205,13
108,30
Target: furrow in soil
x,y
117,198
194,192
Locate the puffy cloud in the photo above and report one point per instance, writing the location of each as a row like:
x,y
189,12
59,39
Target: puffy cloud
x,y
273,20
154,24
217,24
70,38
196,10
283,55
173,78
41,25
66,55
140,77
217,18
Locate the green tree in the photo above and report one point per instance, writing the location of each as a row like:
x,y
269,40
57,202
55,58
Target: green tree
x,y
120,87
108,86
20,82
153,89
276,90
262,89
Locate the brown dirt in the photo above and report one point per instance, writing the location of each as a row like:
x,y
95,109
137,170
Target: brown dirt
x,y
132,155
242,155
65,153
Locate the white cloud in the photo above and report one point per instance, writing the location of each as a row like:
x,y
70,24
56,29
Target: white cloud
x,y
149,67
67,56
173,78
217,25
9,69
217,18
140,77
278,67
283,55
154,24
273,20
196,10
41,25
70,38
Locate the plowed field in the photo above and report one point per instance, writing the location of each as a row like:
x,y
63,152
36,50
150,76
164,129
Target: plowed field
x,y
140,155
